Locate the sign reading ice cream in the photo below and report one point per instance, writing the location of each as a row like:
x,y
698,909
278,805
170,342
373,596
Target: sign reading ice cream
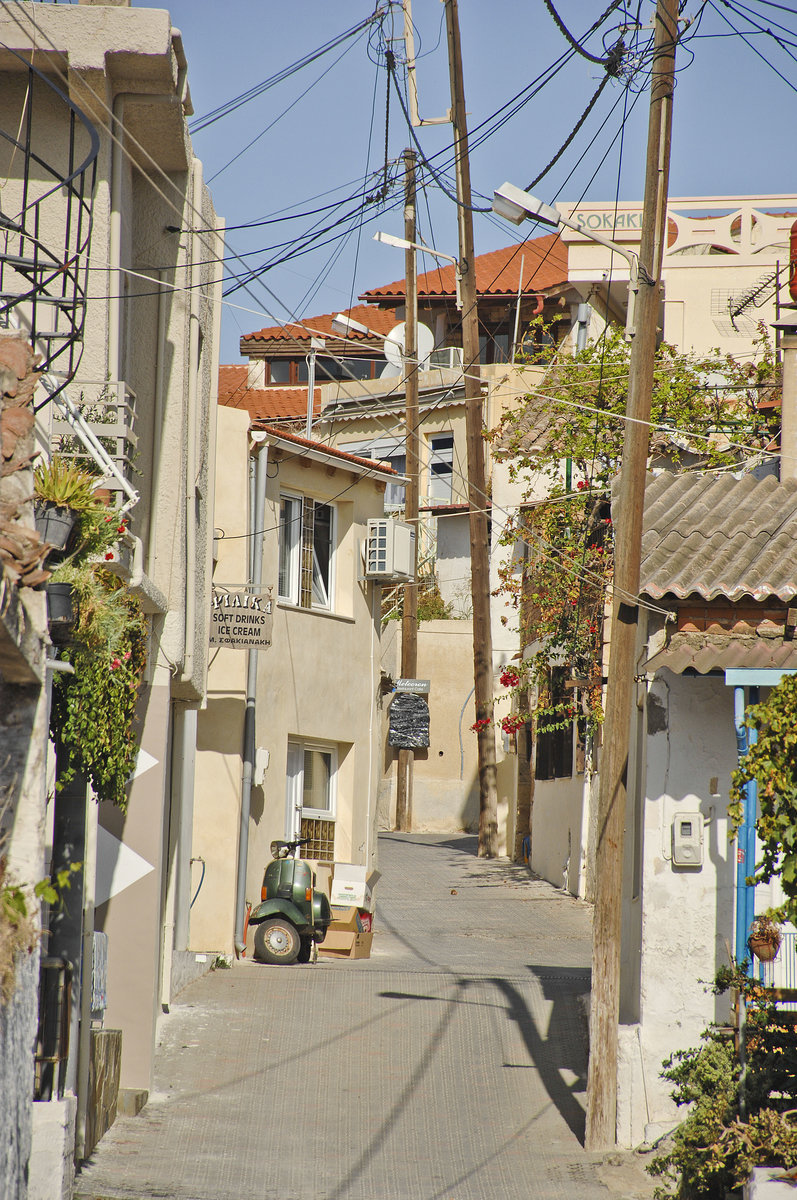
x,y
241,620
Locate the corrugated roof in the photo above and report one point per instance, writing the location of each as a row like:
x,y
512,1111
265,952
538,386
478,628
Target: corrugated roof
x,y
719,536
704,652
293,332
264,404
497,273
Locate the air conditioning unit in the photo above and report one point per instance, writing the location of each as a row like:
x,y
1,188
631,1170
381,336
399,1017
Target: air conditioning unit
x,y
390,551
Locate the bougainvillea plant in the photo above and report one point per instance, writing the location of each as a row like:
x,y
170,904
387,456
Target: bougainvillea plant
x,y
568,436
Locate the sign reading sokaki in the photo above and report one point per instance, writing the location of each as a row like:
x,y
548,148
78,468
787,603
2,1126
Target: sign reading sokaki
x,y
241,620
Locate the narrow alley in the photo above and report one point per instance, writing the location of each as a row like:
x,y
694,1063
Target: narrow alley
x,y
448,1066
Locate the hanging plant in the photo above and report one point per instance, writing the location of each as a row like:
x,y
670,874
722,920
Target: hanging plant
x,y
93,711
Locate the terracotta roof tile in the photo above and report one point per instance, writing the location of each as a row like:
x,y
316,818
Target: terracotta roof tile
x,y
371,465
380,322
264,404
497,273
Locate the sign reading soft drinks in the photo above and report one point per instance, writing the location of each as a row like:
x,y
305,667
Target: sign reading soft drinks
x,y
241,620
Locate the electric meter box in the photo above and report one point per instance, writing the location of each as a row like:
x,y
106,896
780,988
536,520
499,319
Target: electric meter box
x,y
390,551
687,840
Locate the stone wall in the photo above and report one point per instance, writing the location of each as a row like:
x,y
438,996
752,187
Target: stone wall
x,y
17,1035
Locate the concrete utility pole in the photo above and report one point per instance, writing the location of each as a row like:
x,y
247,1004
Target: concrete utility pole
x,y
409,621
477,489
605,1007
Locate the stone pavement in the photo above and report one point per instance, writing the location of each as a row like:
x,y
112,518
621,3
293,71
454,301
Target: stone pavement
x,y
448,1066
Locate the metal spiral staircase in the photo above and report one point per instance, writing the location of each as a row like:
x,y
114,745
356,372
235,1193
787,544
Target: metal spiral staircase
x,y
45,235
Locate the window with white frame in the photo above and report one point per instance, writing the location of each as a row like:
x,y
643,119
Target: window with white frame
x,y
388,450
306,552
441,468
310,797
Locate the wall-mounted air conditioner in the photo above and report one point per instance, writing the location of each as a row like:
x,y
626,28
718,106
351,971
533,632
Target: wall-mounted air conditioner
x,y
390,551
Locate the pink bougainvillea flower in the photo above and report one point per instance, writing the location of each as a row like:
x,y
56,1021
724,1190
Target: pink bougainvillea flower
x,y
115,663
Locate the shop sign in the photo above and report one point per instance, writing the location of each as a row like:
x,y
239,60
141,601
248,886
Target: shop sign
x,y
607,222
412,685
241,620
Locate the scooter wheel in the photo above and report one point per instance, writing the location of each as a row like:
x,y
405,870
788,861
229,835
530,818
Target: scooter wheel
x,y
276,941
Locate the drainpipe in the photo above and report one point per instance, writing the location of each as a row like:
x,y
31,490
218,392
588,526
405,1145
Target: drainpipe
x,y
191,432
745,837
87,970
256,513
157,425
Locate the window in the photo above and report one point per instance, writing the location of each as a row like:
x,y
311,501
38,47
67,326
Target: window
x,y
391,451
555,732
310,797
441,468
279,370
306,558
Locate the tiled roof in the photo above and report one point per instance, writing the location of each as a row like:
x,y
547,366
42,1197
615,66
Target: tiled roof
x,y
704,652
292,332
719,536
264,404
366,466
497,273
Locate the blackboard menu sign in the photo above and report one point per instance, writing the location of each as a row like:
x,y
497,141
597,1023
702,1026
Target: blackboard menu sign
x,y
409,722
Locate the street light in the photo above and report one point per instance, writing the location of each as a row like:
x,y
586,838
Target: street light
x,y
515,205
390,239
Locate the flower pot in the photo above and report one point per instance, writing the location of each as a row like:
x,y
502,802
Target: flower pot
x,y
55,523
62,610
763,949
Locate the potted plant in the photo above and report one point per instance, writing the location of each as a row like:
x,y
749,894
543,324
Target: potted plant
x,y
63,610
62,492
765,938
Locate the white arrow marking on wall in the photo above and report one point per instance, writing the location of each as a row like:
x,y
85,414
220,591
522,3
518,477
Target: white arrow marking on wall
x,y
144,762
118,867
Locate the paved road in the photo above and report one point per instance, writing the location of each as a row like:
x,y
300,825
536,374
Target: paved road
x,y
448,1066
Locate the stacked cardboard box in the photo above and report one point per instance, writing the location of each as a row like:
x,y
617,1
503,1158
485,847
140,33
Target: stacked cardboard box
x,y
351,897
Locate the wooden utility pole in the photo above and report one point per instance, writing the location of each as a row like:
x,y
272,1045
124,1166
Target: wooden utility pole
x,y
474,423
605,1006
409,621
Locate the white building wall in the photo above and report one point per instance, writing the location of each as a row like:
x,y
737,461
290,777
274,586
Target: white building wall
x,y
687,914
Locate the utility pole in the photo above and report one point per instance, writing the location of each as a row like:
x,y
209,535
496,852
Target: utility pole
x,y
477,489
605,1006
409,621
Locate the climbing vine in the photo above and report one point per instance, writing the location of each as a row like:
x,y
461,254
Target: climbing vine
x,y
93,711
564,442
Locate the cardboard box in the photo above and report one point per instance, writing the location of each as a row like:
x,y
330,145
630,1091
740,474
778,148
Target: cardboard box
x,y
352,886
344,943
346,919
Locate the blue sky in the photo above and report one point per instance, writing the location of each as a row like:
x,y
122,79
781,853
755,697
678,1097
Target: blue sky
x,y
733,127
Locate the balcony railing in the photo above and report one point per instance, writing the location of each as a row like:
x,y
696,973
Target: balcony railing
x,y
45,228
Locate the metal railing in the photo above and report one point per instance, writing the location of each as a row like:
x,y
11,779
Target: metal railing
x,y
44,240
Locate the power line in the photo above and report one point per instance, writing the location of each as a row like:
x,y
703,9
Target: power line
x,y
231,106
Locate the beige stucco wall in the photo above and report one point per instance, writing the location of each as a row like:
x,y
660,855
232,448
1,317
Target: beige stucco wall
x,y
752,230
445,776
317,682
219,763
99,56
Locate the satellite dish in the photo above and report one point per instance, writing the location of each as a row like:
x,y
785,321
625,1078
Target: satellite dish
x,y
395,342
